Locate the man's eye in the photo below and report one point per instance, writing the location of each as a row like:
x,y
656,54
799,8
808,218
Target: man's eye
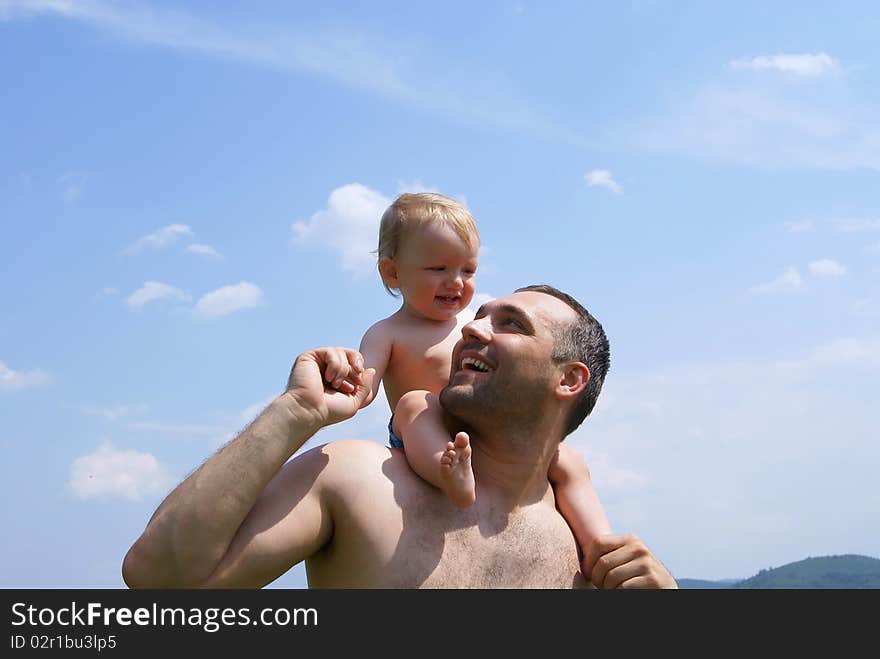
x,y
514,322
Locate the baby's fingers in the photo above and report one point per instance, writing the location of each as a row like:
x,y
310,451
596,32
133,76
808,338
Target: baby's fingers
x,y
343,369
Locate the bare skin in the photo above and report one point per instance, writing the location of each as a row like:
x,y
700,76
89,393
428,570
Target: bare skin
x,y
410,350
576,498
357,514
456,472
410,353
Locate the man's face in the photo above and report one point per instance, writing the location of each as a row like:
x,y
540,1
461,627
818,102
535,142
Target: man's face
x,y
502,367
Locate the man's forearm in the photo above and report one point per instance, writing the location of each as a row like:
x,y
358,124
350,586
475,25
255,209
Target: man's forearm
x,y
191,530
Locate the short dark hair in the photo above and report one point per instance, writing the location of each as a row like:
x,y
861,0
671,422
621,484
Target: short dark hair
x,y
583,340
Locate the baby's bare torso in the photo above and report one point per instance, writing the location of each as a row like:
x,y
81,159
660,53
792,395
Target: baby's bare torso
x,y
420,353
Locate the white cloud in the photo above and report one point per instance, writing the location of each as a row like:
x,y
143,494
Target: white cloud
x,y
761,124
603,179
72,185
865,308
118,474
190,429
787,282
10,379
805,65
161,238
800,226
373,62
204,250
117,411
349,225
155,290
733,432
860,352
827,268
855,225
228,299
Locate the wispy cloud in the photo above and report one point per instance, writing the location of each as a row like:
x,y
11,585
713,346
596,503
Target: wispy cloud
x,y
10,379
702,425
189,429
72,186
204,250
349,225
805,65
834,225
856,224
849,351
155,290
112,473
788,282
768,123
828,268
865,308
116,412
800,226
229,299
161,238
356,59
603,179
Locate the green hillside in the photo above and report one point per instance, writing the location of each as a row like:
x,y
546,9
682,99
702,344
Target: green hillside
x,y
846,571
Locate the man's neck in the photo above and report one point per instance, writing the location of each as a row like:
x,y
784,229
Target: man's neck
x,y
513,470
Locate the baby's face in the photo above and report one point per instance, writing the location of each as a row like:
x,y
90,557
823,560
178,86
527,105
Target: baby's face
x,y
436,272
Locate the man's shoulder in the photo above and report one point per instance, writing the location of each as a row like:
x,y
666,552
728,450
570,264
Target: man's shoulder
x,y
355,449
346,459
355,468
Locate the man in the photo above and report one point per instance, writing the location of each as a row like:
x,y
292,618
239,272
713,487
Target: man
x,y
357,514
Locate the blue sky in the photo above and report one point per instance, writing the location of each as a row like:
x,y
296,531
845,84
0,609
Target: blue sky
x,y
189,193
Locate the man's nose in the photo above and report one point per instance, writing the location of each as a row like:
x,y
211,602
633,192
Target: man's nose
x,y
479,329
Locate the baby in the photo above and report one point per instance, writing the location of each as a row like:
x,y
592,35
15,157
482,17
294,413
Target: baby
x,y
428,249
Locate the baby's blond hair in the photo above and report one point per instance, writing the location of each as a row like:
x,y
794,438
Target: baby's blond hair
x,y
411,210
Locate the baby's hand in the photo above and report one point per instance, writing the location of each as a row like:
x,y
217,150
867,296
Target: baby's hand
x,y
345,375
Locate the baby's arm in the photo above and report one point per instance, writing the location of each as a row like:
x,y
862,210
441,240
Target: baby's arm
x,y
576,498
430,449
376,350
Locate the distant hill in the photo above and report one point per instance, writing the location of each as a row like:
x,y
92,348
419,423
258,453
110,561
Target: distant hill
x,y
704,584
846,571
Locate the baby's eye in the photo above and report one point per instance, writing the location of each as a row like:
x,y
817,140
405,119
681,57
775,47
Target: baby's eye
x,y
438,268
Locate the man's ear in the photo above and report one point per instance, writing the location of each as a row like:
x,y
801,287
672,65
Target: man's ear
x,y
572,380
388,271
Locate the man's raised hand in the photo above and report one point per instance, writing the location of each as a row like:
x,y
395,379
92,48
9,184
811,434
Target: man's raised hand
x,y
329,384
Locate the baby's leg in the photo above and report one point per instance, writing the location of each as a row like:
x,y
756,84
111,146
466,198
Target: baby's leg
x,y
418,421
576,498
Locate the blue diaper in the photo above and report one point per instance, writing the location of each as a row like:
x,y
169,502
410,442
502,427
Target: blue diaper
x,y
393,440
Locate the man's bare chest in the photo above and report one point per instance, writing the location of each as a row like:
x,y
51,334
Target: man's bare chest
x,y
427,548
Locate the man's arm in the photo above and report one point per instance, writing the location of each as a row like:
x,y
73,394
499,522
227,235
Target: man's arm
x,y
204,532
623,561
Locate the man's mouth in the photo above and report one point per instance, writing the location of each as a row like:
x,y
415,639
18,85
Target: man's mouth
x,y
474,364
